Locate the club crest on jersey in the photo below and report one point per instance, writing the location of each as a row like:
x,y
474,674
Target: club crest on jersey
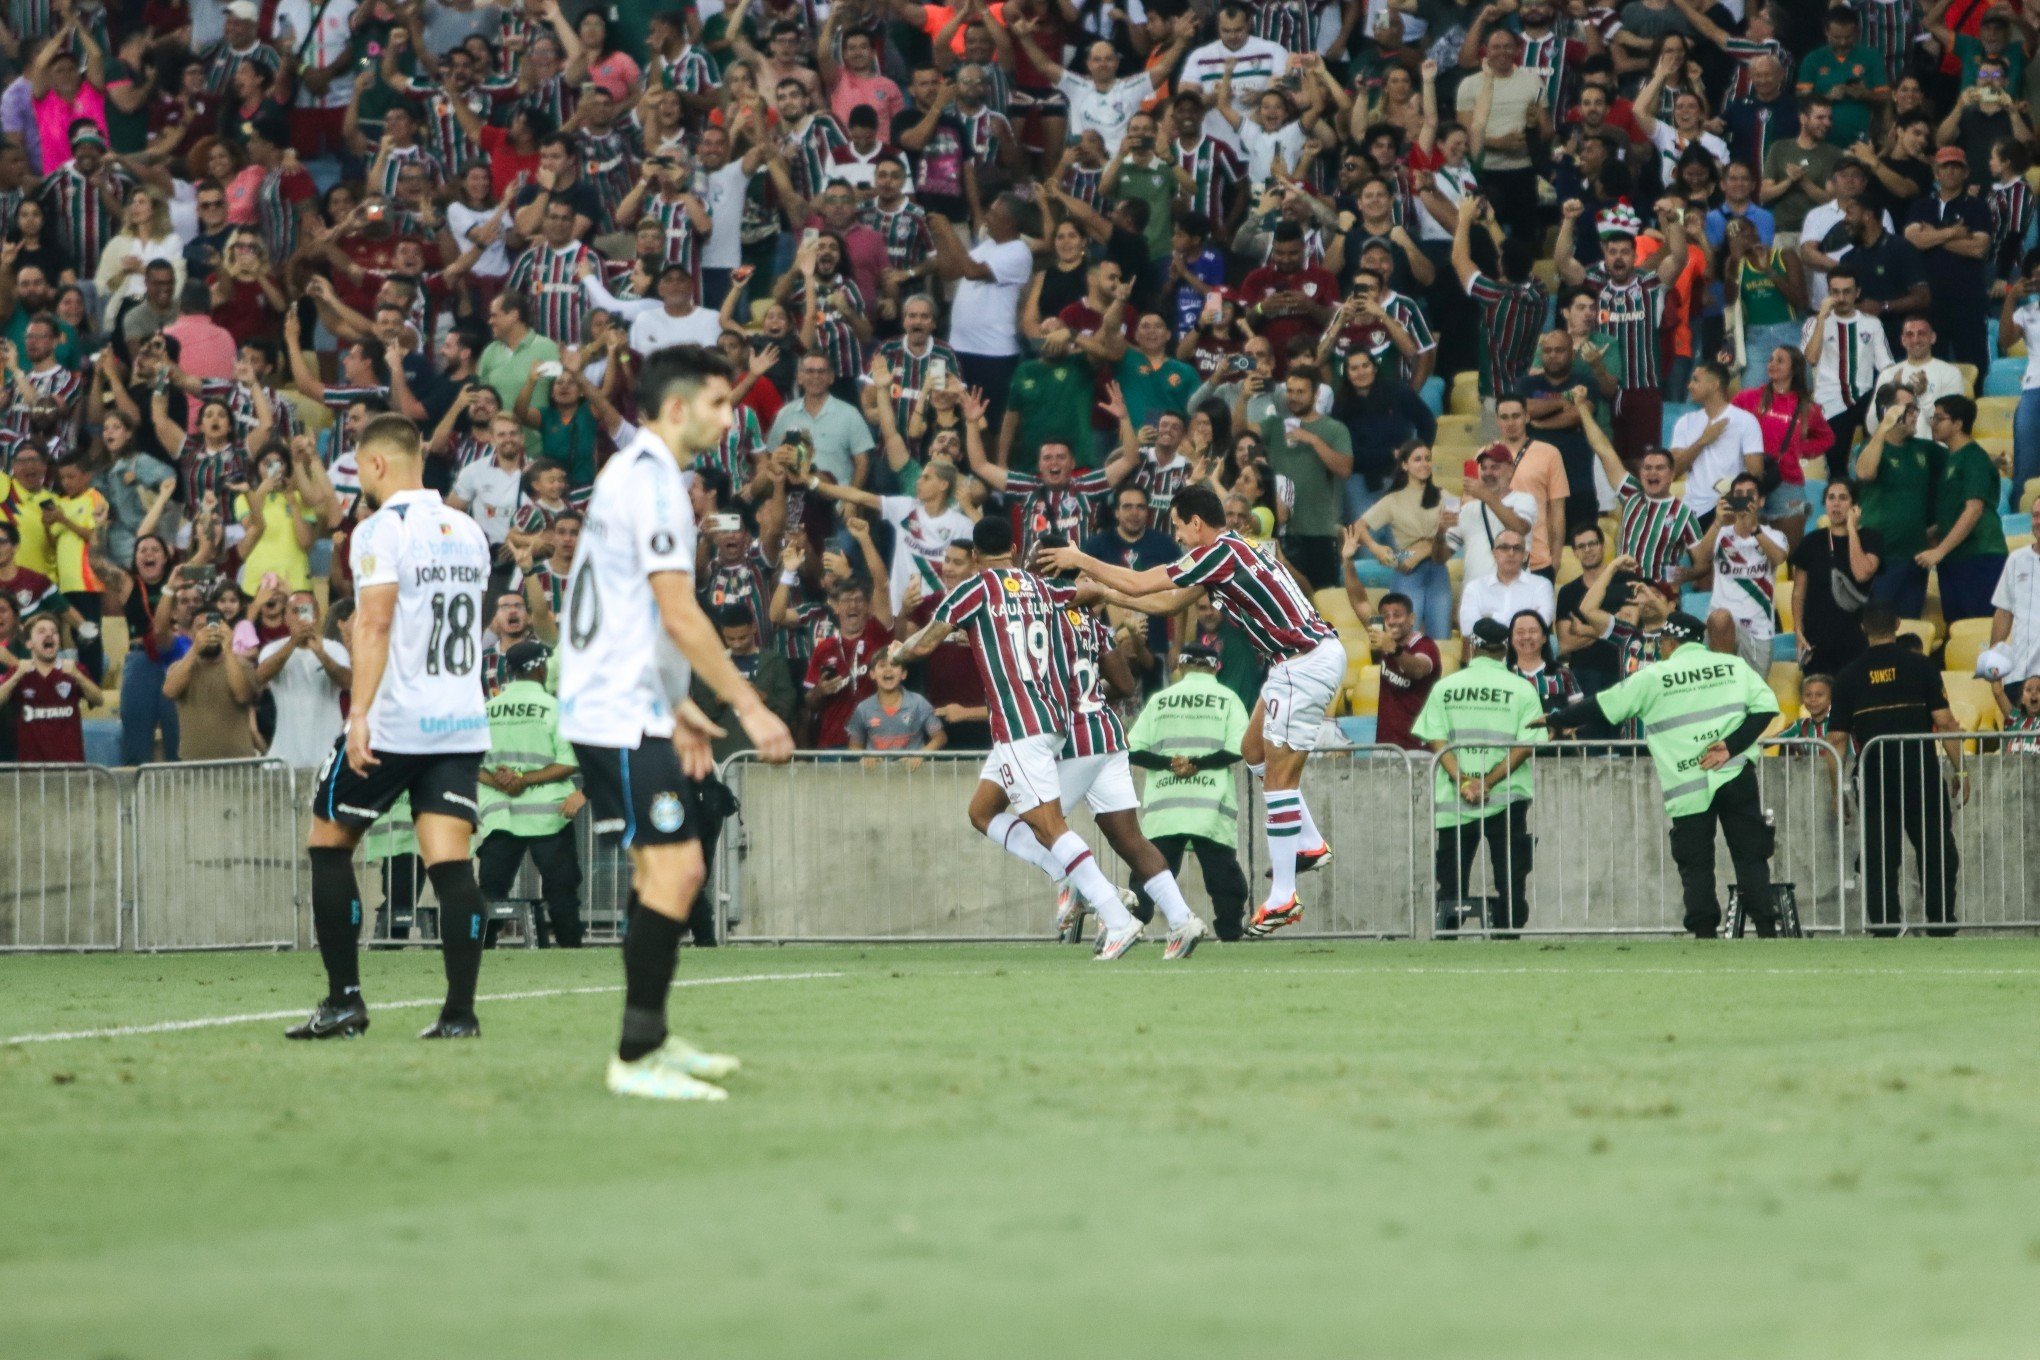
x,y
667,814
662,542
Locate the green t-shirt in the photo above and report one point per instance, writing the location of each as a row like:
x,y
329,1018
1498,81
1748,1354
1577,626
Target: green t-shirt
x,y
1156,186
1897,503
570,443
1486,701
1194,717
129,132
1969,475
1151,388
1687,702
1316,512
505,369
1823,70
1053,398
1970,51
524,734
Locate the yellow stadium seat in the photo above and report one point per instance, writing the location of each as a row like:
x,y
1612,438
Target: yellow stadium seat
x,y
1465,398
1545,271
1337,609
1966,718
1966,691
1363,693
1448,655
2014,542
1459,429
1999,446
1966,640
1784,681
1927,632
1968,378
1568,566
1994,418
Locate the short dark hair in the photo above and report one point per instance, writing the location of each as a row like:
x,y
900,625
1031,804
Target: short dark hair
x,y
1959,409
1878,619
1398,598
1198,502
516,302
678,370
1840,14
563,142
992,536
735,616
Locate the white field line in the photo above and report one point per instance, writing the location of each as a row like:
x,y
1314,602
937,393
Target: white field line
x,y
216,1021
1194,969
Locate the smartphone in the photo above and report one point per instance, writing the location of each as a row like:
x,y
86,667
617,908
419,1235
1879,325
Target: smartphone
x,y
1374,622
1239,363
201,575
550,369
1472,470
306,613
725,524
1214,308
810,236
938,372
373,212
742,273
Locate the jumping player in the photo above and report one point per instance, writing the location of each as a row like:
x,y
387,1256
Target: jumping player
x,y
1305,666
1013,623
416,725
634,633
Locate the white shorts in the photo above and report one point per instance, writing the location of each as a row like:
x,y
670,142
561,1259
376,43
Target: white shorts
x,y
1297,692
1025,769
1105,782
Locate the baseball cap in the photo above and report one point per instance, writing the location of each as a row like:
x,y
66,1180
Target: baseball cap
x,y
1993,663
1496,452
1492,634
527,657
1683,626
244,9
1950,155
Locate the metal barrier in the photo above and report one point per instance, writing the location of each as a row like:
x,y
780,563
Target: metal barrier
x,y
1597,858
1366,800
1939,851
218,855
850,848
61,857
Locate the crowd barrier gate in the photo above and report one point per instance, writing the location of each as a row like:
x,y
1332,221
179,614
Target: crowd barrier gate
x,y
1910,802
63,873
219,855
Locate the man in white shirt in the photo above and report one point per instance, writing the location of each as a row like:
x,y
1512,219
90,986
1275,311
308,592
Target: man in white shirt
x,y
1845,350
1257,64
1505,592
1742,614
306,675
491,488
723,195
1515,96
1492,511
669,319
984,327
1711,445
1101,101
2015,622
1928,377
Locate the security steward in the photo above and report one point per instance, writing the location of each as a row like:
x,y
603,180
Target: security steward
x,y
1889,691
1483,790
528,799
1701,712
1189,737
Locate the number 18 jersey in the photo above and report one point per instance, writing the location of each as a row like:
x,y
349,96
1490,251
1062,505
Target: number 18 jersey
x,y
1015,629
430,700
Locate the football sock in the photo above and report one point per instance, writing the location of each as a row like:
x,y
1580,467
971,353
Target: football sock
x,y
1284,825
1081,866
650,949
1310,841
1017,838
460,933
1162,890
336,920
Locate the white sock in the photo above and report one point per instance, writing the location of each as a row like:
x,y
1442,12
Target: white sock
x,y
1311,842
1259,771
1163,892
1017,839
1284,828
1081,867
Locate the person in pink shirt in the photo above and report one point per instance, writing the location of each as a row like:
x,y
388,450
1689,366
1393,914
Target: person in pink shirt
x,y
1795,432
613,70
65,92
206,348
855,79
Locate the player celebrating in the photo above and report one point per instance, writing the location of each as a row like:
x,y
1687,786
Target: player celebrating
x,y
634,633
1305,665
1013,623
416,725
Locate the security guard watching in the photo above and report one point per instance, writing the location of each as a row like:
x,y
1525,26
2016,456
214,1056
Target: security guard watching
x,y
528,798
1889,691
1189,736
1702,711
1483,791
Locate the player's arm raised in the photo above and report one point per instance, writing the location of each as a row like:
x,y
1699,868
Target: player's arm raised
x,y
931,636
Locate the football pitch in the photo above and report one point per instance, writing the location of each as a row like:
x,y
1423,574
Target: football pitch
x,y
1284,1149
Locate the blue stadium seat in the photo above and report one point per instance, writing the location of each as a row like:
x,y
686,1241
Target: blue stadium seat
x,y
102,741
1673,410
2005,378
1359,731
1433,393
1375,576
2017,524
1785,647
1695,602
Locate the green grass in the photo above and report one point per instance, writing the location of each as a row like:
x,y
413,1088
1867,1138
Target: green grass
x,y
1281,1150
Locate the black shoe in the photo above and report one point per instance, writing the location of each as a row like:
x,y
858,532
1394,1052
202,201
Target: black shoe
x,y
461,1027
346,1020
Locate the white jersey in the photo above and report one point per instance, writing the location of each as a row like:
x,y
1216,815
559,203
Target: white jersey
x,y
430,699
620,675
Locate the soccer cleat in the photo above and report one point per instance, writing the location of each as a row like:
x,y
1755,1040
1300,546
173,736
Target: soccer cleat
x,y
655,1076
1272,916
686,1058
1113,943
348,1020
1184,938
1308,861
1069,915
462,1027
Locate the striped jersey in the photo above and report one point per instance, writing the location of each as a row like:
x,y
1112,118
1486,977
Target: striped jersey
x,y
551,279
1085,185
1633,313
1162,483
398,158
1553,57
1742,85
1853,352
609,162
1638,648
1555,685
221,61
840,299
908,240
738,446
689,72
464,448
745,583
910,370
1808,728
1067,509
2028,725
241,404
984,133
56,383
83,220
1255,595
1889,28
683,243
446,139
2011,217
811,152
277,202
553,98
202,470
1656,530
1214,168
516,24
1289,24
1511,318
1018,639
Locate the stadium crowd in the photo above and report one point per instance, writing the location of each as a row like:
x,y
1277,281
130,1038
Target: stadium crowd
x,y
1551,314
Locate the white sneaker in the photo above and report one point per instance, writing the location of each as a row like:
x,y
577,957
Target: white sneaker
x,y
1069,914
680,1054
1113,943
656,1077
1184,938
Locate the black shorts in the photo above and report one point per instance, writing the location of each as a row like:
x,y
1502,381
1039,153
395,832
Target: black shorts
x,y
438,781
642,792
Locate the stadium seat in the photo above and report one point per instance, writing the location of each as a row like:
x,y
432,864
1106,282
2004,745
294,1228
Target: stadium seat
x,y
1695,602
1783,679
1337,609
1358,730
2014,525
1968,372
1363,693
1999,446
2014,542
1433,393
1928,633
2005,379
1785,647
1465,395
1966,640
1994,416
2029,493
1966,691
1673,410
1460,429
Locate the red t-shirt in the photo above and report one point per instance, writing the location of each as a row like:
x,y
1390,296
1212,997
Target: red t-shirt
x,y
46,719
375,257
1402,699
505,164
765,401
952,674
243,314
1316,284
834,657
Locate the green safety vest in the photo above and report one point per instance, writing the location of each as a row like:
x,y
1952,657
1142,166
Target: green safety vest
x,y
392,834
1484,702
1193,717
524,735
1687,702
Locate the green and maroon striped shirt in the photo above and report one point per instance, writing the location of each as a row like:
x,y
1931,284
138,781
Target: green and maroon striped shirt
x,y
1511,317
1633,313
1656,530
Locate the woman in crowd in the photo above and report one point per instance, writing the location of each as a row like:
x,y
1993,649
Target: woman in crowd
x,y
938,419
1061,281
1381,415
1405,531
145,238
72,311
1394,101
1530,657
608,66
1794,432
1770,283
36,243
1832,569
572,423
135,593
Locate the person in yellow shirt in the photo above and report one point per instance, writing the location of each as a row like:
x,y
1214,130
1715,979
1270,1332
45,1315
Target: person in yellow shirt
x,y
280,524
23,494
77,518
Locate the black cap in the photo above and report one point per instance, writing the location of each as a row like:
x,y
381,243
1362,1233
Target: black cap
x,y
1683,626
1491,634
1197,654
527,658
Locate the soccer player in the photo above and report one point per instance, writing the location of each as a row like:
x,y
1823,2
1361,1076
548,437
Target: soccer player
x,y
633,635
1014,623
417,725
1305,663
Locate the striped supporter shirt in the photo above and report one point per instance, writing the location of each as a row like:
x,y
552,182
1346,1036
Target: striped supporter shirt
x,y
1511,316
446,139
910,371
1889,28
833,332
1656,530
1015,630
1254,595
1633,313
1214,168
550,278
908,240
1067,509
83,220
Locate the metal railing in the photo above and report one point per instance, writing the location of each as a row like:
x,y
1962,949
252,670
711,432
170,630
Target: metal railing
x,y
219,855
1938,851
1367,801
61,857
